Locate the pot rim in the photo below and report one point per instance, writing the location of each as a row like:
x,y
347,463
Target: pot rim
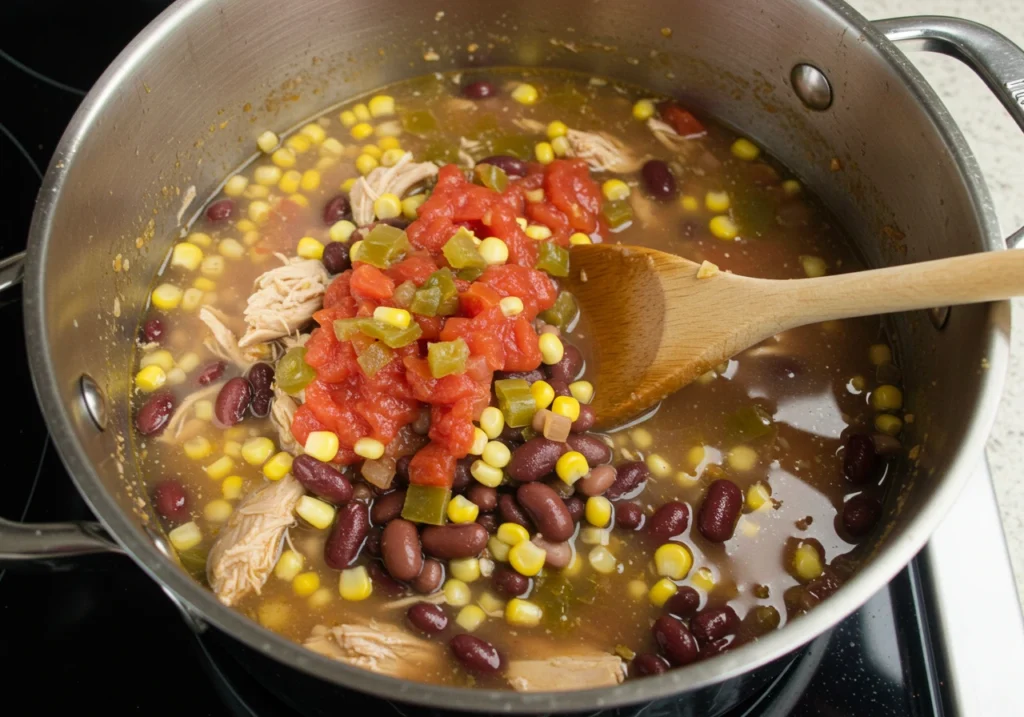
x,y
894,556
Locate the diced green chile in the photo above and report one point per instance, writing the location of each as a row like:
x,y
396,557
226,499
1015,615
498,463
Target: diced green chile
x,y
563,313
375,357
553,259
393,336
470,274
419,122
383,246
447,357
617,213
426,301
748,423
426,504
404,294
491,176
461,251
515,401
293,373
345,329
444,280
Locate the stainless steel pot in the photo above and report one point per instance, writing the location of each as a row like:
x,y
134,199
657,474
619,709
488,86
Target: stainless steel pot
x,y
810,79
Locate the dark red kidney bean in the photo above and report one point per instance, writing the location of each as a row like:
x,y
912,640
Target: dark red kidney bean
x,y
675,640
534,459
585,421
261,376
630,479
714,623
510,165
384,582
717,647
475,654
528,376
557,555
596,451
387,507
511,437
684,604
373,542
629,516
669,521
647,663
153,330
546,509
508,581
171,500
462,475
569,366
336,257
362,492
402,470
221,210
152,418
232,401
597,481
489,521
860,513
859,458
479,90
260,404
658,179
563,489
400,548
720,510
427,618
336,209
321,479
211,372
560,387
510,512
429,579
576,508
347,536
454,541
485,497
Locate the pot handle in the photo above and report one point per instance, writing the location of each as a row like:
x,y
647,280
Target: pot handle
x,y
995,59
12,269
51,544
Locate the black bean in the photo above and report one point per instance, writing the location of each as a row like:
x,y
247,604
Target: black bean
x,y
261,376
546,509
510,165
669,521
528,376
860,513
576,508
479,90
382,581
489,521
596,451
534,459
335,257
347,536
859,458
462,475
260,404
387,507
336,209
585,421
658,179
485,497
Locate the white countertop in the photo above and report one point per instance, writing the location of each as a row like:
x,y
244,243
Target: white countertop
x,y
998,144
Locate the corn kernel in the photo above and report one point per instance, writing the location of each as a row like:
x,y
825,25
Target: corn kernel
x,y
880,354
150,378
886,398
230,248
199,239
341,230
387,206
791,187
176,377
602,560
556,129
256,191
204,410
641,438
197,448
399,318
512,533
289,182
494,251
274,614
411,206
315,512
704,580
320,598
551,349
289,565
355,584
598,511
191,300
742,458
498,549
217,511
348,118
511,305
479,442
758,496
689,203
525,94
636,589
268,175
391,157
259,212
314,133
462,510
539,232
381,106
561,146
695,456
309,248
571,466
521,221
661,591
673,560
233,449
365,164
235,185
306,584
284,158
361,131
331,148
185,536
277,466
643,110
566,406
486,474
492,421
389,143
298,143
807,562
543,394
888,424
369,448
615,190
579,239
582,391
724,228
362,112
745,149
456,592
267,141
322,445
373,150
717,202
186,255
257,450
814,266
465,569
496,454
166,297
236,433
470,618
220,467
544,152
527,558
523,613
231,487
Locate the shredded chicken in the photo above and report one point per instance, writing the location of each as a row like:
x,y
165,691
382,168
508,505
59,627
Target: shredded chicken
x,y
437,598
602,152
395,180
223,343
467,148
529,125
672,140
250,543
377,646
180,427
282,411
284,299
569,672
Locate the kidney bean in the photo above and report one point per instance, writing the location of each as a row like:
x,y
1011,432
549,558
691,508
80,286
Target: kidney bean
x,y
563,489
669,521
336,209
684,604
886,445
429,579
387,507
400,548
585,421
261,376
658,179
630,479
361,492
511,437
534,459
336,257
427,618
647,663
454,541
210,373
558,554
384,582
593,448
152,418
859,458
675,640
462,475
373,542
560,387
546,509
528,376
489,521
716,647
402,470
719,511
260,404
221,210
321,479
171,500
421,426
629,516
347,536
714,623
153,330
569,366
232,401
475,654
486,498
576,508
860,513
508,581
479,90
510,165
510,511
597,481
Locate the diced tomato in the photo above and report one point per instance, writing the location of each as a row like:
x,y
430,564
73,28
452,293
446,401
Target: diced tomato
x,y
338,289
415,268
683,122
478,297
430,325
369,282
553,218
432,465
534,287
333,360
305,423
568,186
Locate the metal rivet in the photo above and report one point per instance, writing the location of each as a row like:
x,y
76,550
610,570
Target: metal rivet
x,y
95,403
811,86
939,317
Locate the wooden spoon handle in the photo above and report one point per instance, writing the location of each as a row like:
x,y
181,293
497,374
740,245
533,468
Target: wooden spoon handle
x,y
971,279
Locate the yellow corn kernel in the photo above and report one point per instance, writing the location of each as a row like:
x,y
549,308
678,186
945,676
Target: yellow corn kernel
x,y
368,448
399,318
512,533
314,133
745,149
470,618
521,221
274,614
724,228
267,141
527,558
525,94
212,266
186,255
456,592
387,206
309,248
347,185
742,458
256,451
758,496
391,157
322,445
888,424
673,560
283,158
494,251
807,562
492,421
511,306
544,152
886,398
551,349
230,248
236,433
689,203
543,394
695,456
411,206
289,565
348,118
582,391
498,549
199,239
717,202
602,560
150,378
590,535
278,466
217,511
235,185
289,182
479,442
365,164
315,512
355,584
492,605
204,284
880,354
244,225
298,143
341,230
791,187
191,299
259,212
636,589
268,175
256,191
496,454
661,591
561,146
331,148
598,511
814,266
185,536
486,474
641,438
381,106
465,569
373,150
566,406
523,613
361,131
231,487
161,358
643,110
557,129
579,239
233,449
176,376
166,297
197,448
220,467
389,143
320,598
362,112
539,232
615,190
704,580
306,584
571,466
204,410
462,510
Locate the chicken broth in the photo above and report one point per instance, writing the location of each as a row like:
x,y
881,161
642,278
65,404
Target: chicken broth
x,y
362,400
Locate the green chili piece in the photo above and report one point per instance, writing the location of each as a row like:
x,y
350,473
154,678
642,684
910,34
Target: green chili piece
x,y
553,259
426,504
293,373
447,357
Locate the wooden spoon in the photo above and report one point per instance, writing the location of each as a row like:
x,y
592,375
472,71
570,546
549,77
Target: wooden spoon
x,y
656,325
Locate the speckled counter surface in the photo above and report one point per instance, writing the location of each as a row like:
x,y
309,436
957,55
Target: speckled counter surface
x,y
998,145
